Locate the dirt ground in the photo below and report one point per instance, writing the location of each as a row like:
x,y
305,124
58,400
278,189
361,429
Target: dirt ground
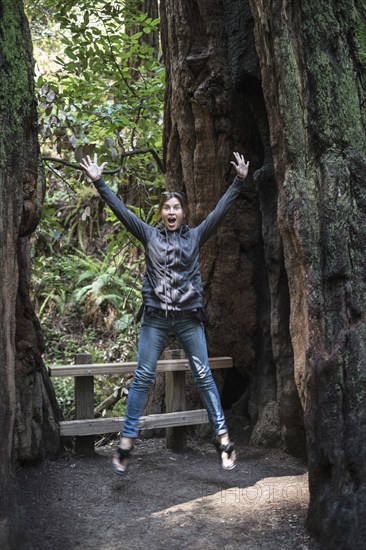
x,y
166,501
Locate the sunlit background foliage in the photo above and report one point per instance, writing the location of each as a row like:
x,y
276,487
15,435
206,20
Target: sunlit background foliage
x,y
100,88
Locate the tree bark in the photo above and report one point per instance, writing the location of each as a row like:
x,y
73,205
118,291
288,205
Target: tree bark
x,y
284,277
214,105
313,64
27,404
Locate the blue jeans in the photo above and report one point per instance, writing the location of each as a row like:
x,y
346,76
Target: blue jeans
x,y
191,335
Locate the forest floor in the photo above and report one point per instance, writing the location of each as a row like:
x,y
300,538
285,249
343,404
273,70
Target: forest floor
x,y
166,500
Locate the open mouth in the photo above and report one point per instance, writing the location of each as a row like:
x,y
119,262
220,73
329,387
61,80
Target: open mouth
x,y
171,221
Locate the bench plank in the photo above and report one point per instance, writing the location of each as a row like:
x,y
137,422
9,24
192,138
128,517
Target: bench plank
x,y
99,426
164,365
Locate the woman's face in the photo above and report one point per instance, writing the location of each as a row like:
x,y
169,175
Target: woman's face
x,y
172,214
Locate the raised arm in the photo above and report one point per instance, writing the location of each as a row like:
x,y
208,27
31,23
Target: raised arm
x,y
137,227
208,227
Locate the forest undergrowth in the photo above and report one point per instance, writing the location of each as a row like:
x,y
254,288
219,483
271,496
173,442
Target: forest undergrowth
x,y
100,90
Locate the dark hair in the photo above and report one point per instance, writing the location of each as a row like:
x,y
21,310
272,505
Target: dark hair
x,y
166,195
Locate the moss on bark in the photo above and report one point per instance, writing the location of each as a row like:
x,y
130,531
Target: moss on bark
x,y
21,193
322,220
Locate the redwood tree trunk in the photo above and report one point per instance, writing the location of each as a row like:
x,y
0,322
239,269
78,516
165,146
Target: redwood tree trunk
x,y
27,428
313,63
285,276
214,105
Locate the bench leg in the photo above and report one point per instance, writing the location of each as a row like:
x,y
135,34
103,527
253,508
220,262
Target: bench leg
x,y
84,408
175,396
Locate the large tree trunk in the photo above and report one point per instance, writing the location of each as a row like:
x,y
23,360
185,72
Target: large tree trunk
x,y
28,427
312,57
214,106
305,138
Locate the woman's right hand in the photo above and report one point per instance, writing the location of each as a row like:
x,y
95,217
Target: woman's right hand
x,y
92,169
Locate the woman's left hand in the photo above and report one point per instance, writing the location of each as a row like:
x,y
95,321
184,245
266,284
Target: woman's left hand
x,y
92,169
240,165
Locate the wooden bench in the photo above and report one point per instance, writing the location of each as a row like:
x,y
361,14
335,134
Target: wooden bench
x,y
176,417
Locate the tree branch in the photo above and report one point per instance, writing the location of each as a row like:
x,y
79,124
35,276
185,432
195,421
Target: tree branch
x,y
76,166
143,151
110,401
116,170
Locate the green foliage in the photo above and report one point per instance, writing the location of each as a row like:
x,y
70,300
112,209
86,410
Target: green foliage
x,y
108,84
64,344
106,281
86,301
64,389
103,387
100,86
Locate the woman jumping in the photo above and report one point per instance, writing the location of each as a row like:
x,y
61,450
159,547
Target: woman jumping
x,y
172,298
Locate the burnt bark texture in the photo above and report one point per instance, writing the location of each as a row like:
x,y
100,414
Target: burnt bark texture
x,y
313,63
27,404
214,105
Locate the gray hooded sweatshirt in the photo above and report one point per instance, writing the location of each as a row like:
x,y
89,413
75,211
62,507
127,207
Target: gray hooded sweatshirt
x,y
172,280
